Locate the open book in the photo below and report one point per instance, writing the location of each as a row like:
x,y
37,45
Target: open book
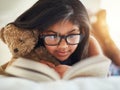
x,y
97,66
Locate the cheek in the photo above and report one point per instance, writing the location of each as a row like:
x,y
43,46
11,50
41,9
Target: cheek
x,y
51,49
73,48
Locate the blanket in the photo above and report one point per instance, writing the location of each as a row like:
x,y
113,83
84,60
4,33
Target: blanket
x,y
13,83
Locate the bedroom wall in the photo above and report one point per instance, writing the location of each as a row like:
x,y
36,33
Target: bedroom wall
x,y
10,9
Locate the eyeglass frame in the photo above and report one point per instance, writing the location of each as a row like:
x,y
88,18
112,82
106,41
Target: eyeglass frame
x,y
61,37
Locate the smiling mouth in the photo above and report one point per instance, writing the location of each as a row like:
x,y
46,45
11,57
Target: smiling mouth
x,y
62,54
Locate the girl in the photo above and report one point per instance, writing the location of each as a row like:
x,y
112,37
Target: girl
x,y
64,30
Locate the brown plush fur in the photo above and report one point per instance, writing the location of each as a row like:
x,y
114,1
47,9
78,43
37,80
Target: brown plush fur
x,y
21,43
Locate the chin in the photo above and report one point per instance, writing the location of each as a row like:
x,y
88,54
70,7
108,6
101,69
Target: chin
x,y
62,59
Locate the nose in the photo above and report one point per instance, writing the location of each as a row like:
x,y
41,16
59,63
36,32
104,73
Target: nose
x,y
63,44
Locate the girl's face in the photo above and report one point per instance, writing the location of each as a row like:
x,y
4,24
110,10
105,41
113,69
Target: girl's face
x,y
62,51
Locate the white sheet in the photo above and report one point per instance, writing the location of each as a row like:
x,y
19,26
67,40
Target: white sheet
x,y
111,83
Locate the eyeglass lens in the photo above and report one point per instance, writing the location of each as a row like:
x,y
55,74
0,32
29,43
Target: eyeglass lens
x,y
55,39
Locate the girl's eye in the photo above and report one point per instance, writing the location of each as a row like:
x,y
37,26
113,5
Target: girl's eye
x,y
70,36
53,36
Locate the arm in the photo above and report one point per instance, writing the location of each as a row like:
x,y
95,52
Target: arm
x,y
94,47
60,69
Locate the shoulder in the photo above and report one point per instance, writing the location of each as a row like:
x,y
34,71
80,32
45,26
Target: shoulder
x,y
94,47
93,40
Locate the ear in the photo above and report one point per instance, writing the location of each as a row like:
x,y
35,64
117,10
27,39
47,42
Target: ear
x,y
2,35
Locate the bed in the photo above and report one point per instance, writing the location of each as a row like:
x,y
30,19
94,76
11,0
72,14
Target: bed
x,y
13,83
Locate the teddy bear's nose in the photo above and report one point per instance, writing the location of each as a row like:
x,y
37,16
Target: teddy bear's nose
x,y
15,50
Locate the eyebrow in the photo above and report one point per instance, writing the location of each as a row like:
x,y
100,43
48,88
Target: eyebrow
x,y
67,32
74,30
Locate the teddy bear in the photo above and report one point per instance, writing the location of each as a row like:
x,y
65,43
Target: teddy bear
x,y
19,41
22,42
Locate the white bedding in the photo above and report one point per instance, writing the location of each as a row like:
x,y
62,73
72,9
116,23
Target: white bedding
x,y
111,83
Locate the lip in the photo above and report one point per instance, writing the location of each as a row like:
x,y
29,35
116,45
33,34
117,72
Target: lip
x,y
62,54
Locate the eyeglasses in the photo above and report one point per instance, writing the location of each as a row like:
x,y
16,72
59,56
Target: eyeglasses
x,y
54,39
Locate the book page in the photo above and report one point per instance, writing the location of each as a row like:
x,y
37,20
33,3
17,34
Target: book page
x,y
96,66
30,69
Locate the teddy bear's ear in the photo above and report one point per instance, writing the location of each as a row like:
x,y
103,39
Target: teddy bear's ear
x,y
2,35
19,41
36,34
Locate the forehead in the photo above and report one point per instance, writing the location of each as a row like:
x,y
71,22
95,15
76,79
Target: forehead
x,y
63,27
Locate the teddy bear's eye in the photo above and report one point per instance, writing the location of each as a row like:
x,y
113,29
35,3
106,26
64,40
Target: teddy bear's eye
x,y
16,50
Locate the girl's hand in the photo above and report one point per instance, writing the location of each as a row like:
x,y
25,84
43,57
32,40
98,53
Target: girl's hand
x,y
48,63
61,69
